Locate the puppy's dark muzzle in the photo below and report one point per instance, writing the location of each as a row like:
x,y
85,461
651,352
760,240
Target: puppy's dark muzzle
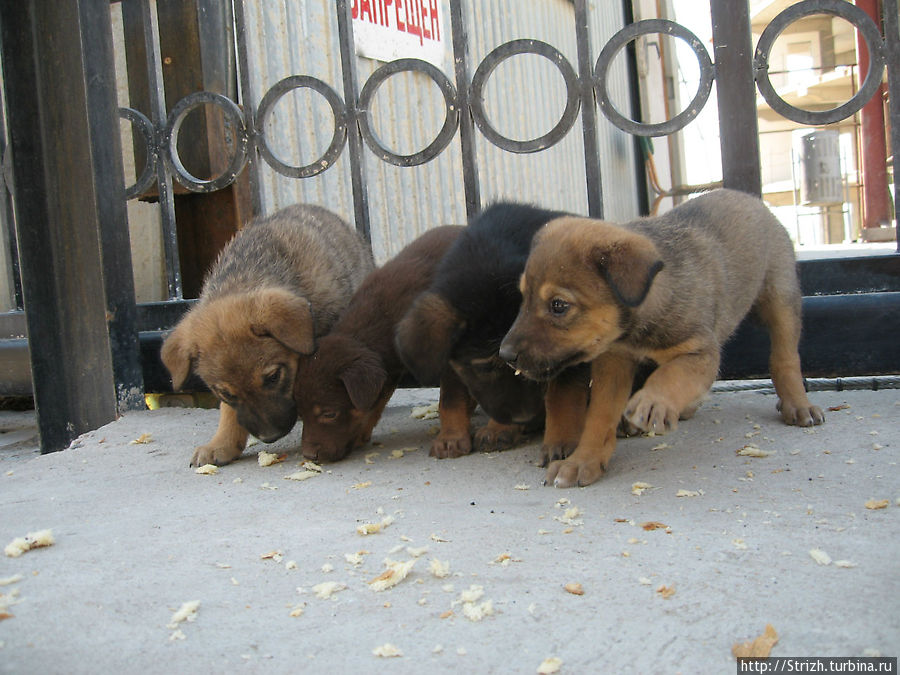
x,y
509,354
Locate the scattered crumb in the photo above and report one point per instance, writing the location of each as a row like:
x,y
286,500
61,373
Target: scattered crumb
x,y
207,469
425,412
751,450
387,650
437,538
291,565
574,588
20,545
644,581
439,569
472,609
661,446
570,516
639,488
355,558
820,556
360,486
328,588
142,440
654,525
267,486
739,544
327,567
688,493
373,528
417,552
277,556
522,486
370,457
177,635
760,647
875,504
303,474
666,591
269,458
846,564
14,579
298,610
550,666
187,612
393,575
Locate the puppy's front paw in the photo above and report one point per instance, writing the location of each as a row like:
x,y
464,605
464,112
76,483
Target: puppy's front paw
x,y
215,454
573,472
449,445
495,436
803,414
552,451
650,412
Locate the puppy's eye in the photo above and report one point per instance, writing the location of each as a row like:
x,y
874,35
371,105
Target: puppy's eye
x,y
328,416
225,397
558,306
272,379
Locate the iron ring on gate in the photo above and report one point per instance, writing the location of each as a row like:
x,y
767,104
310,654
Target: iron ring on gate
x,y
170,141
145,126
839,8
451,119
498,56
618,42
340,125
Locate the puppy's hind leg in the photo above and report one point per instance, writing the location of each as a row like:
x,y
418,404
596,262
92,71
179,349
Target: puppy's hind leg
x,y
782,316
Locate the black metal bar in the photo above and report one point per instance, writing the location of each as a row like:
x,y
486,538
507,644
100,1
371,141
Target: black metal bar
x,y
891,27
634,90
140,10
588,112
845,347
59,191
354,134
835,276
7,217
736,95
247,98
471,182
111,214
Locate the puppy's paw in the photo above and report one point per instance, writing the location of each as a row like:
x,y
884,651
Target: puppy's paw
x,y
649,412
449,445
802,415
492,437
215,454
574,473
552,451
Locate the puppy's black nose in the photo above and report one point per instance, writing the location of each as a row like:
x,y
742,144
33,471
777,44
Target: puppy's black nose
x,y
508,354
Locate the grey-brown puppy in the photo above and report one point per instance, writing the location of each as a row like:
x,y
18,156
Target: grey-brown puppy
x,y
670,290
277,286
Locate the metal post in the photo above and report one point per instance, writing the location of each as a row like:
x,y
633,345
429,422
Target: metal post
x,y
736,94
588,112
69,198
354,134
246,96
471,182
892,48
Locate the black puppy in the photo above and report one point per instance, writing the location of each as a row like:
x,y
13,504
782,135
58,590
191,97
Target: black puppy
x,y
462,318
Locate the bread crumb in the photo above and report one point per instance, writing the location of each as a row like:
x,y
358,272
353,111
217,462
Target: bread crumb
x,y
439,539
654,525
387,650
177,635
522,486
328,588
751,450
187,612
550,666
875,504
360,486
298,610
638,488
355,558
269,458
142,440
844,564
666,591
417,552
820,556
304,474
291,565
688,493
574,588
370,457
373,528
760,647
14,579
644,581
277,556
20,545
393,575
425,412
207,469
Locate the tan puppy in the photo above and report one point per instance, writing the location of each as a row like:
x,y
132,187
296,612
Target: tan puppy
x,y
277,286
670,290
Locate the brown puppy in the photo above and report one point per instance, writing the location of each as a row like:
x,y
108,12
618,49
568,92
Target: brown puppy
x,y
278,285
670,290
355,369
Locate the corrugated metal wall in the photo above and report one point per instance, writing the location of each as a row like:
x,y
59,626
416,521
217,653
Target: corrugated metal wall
x,y
524,98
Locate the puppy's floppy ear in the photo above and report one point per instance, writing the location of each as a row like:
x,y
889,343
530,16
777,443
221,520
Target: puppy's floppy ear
x,y
179,352
364,378
284,316
629,262
426,336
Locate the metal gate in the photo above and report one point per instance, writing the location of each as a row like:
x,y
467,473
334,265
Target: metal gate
x,y
94,351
